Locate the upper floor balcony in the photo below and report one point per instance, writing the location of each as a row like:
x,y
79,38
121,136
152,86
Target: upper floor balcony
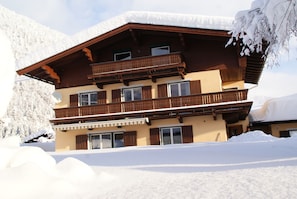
x,y
150,67
166,107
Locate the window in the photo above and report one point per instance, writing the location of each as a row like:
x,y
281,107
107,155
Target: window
x,y
171,135
122,56
106,140
87,99
101,141
118,139
179,89
161,50
132,94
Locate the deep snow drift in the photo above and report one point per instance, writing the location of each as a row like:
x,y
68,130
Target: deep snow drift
x,y
276,109
252,165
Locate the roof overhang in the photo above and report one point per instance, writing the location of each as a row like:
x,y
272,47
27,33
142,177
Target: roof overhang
x,y
29,69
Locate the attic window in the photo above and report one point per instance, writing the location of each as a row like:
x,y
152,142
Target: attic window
x,y
161,50
122,56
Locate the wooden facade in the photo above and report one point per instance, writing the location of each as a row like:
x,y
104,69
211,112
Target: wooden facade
x,y
190,51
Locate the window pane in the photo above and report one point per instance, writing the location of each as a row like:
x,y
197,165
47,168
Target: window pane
x,y
93,98
185,88
166,136
163,50
176,133
137,93
118,140
84,100
174,90
106,141
122,56
127,95
95,141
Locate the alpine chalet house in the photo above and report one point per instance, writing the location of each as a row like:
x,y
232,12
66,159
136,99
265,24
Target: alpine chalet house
x,y
147,79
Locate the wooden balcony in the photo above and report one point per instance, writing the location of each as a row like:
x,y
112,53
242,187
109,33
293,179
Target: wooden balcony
x,y
150,67
147,108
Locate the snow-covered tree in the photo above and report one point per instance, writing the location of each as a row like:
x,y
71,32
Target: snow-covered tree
x,y
269,23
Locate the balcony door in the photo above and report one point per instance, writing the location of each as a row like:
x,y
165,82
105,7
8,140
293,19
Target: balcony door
x,y
132,94
179,89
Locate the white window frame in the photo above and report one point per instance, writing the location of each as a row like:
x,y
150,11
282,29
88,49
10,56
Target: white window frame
x,y
121,53
154,50
179,88
90,102
171,135
132,89
112,139
100,140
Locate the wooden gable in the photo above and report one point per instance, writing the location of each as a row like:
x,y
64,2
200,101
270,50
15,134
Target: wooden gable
x,y
72,67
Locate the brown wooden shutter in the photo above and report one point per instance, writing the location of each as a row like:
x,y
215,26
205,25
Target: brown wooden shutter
x,y
116,95
81,142
74,100
195,87
130,138
154,136
146,92
101,97
162,90
187,132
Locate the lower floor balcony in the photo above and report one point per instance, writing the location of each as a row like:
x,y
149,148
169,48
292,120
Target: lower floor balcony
x,y
228,103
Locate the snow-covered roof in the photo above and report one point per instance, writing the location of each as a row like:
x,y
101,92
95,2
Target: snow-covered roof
x,y
276,109
154,18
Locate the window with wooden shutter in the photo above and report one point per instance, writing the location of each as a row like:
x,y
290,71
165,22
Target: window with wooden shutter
x,y
101,97
162,90
154,136
130,138
116,95
81,142
187,132
74,100
195,87
146,92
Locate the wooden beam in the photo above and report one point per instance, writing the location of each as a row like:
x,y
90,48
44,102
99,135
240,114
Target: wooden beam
x,y
88,54
133,34
182,40
48,70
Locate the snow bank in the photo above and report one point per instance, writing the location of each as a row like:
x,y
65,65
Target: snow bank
x,y
276,109
199,170
252,136
35,174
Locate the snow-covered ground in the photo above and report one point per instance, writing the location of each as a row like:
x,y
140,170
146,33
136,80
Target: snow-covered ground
x,y
252,165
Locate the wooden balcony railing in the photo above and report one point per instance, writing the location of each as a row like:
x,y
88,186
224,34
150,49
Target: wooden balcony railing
x,y
135,64
152,104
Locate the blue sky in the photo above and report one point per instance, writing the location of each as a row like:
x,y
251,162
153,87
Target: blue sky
x,y
72,16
